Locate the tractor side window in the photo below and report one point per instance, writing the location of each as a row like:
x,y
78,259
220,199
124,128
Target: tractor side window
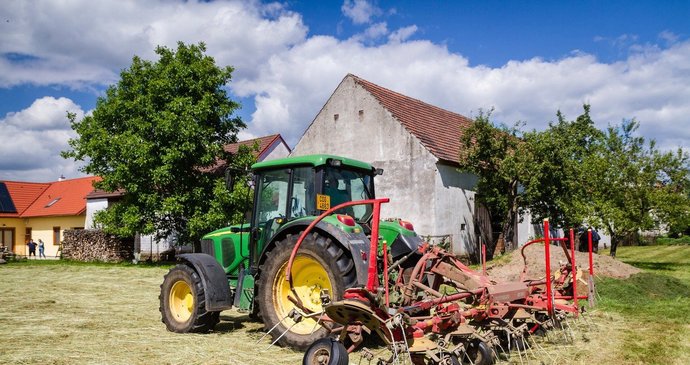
x,y
273,188
359,188
302,200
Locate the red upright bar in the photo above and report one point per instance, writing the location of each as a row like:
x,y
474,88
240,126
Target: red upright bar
x,y
574,270
591,262
483,257
372,278
547,256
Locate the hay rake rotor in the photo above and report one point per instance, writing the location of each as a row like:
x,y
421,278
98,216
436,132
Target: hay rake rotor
x,y
430,308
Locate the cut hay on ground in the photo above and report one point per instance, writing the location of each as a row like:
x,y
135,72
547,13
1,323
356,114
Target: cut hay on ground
x,y
86,314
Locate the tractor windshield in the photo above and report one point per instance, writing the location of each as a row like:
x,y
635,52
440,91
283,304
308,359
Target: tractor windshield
x,y
348,185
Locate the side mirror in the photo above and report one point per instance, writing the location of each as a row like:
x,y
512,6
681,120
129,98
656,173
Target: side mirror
x,y
230,180
378,172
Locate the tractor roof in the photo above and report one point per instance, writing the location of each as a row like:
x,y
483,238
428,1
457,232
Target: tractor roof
x,y
311,160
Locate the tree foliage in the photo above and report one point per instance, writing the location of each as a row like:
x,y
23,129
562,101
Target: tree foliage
x,y
574,173
492,154
156,134
636,186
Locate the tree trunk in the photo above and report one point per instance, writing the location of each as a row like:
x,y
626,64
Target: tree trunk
x,y
508,228
614,241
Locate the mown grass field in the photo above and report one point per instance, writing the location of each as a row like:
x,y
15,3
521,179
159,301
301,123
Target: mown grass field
x,y
66,313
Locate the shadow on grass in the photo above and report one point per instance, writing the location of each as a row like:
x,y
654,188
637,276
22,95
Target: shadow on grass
x,y
647,296
64,262
659,266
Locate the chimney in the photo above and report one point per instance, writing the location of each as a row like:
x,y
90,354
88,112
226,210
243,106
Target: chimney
x,y
61,178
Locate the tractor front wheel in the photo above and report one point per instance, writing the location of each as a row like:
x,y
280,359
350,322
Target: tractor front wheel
x,y
320,264
182,302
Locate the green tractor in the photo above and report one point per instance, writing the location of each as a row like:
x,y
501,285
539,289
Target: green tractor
x,y
243,266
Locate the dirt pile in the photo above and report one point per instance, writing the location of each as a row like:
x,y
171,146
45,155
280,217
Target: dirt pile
x,y
603,265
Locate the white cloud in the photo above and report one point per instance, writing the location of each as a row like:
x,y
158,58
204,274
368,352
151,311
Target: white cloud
x,y
33,138
290,75
44,43
402,34
650,85
360,11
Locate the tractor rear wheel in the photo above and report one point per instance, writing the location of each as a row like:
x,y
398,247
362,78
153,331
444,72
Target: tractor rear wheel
x,y
320,264
182,302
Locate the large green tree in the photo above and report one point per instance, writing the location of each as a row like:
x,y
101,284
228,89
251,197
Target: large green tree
x,y
156,134
556,178
574,173
635,186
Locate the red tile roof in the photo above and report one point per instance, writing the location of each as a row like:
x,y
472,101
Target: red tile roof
x,y
68,197
439,130
23,194
264,144
264,148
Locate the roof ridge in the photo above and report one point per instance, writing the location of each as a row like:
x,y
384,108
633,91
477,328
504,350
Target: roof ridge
x,y
438,130
363,81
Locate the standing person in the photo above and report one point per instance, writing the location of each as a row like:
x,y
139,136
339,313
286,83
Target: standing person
x,y
32,247
41,249
595,240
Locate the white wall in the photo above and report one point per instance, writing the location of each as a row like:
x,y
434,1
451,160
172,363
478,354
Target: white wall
x,y
276,150
366,131
93,206
454,207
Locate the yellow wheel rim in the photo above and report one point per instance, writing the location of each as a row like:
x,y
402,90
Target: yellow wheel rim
x,y
309,277
181,301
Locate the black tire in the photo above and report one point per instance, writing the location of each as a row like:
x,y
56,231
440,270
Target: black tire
x,y
446,360
199,319
321,250
326,351
480,353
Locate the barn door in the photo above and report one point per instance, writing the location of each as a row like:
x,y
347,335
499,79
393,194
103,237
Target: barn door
x,y
482,222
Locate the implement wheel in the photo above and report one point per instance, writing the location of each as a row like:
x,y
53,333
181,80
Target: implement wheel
x,y
182,302
326,351
320,264
480,353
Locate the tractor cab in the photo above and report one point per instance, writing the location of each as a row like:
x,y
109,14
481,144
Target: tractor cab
x,y
297,188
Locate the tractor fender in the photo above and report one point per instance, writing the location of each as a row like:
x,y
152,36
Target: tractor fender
x,y
216,288
357,244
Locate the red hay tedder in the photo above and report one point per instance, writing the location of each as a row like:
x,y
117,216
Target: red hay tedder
x,y
430,308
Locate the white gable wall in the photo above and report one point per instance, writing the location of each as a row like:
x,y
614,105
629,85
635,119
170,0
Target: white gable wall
x,y
93,206
455,208
276,150
411,177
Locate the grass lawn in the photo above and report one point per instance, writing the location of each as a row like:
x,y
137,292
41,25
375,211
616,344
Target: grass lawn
x,y
654,305
67,313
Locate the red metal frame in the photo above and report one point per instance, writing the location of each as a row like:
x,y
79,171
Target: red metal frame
x,y
547,254
573,269
591,262
372,282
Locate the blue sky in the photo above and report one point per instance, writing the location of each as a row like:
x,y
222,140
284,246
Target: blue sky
x,y
525,59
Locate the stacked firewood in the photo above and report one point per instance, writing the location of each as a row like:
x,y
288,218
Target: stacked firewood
x,y
95,245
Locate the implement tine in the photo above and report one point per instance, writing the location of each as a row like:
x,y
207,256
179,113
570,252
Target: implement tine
x,y
274,327
543,350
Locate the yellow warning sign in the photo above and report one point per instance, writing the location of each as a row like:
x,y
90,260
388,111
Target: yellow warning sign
x,y
323,202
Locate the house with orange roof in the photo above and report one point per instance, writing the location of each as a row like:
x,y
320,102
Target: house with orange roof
x,y
43,211
417,145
